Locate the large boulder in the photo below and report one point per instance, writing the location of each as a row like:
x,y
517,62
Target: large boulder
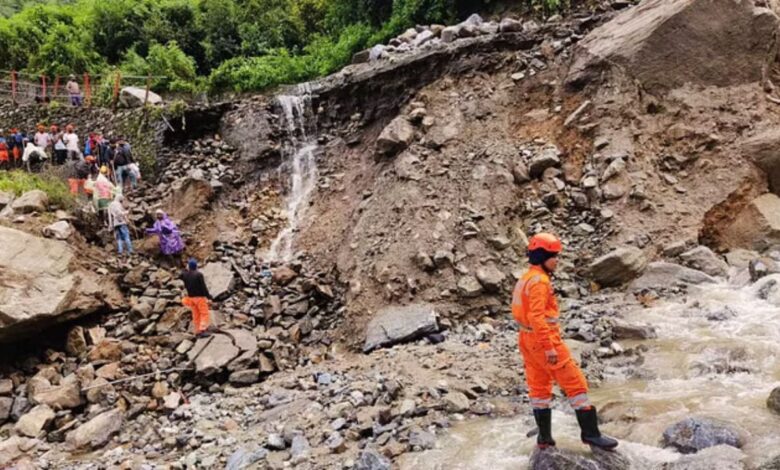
x,y
212,354
395,137
40,287
696,433
96,432
773,402
31,201
5,198
554,458
133,97
757,226
219,279
666,44
662,275
32,423
189,197
617,267
764,149
394,324
703,259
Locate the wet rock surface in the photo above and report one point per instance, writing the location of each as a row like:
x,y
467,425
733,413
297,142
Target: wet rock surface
x,y
694,434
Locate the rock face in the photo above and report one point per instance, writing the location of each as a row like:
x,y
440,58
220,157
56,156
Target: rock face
x,y
133,97
665,45
219,279
96,432
31,201
662,275
694,434
757,226
39,288
393,325
554,458
395,137
617,267
764,149
773,402
703,259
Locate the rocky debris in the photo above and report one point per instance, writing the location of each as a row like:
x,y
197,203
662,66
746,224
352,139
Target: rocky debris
x,y
370,459
548,157
763,266
212,354
662,275
757,226
396,137
554,458
623,330
219,279
469,287
773,402
61,230
763,149
34,421
190,195
6,198
617,267
393,325
133,97
31,201
40,288
243,458
64,394
14,447
96,432
652,40
456,402
771,464
696,433
490,278
704,260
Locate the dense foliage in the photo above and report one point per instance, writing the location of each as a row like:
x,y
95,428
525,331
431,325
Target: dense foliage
x,y
214,45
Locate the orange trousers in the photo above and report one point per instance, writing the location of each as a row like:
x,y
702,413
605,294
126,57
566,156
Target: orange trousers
x,y
200,312
75,185
540,375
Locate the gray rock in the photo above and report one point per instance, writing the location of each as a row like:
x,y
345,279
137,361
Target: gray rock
x,y
422,439
276,442
450,34
66,395
703,259
520,173
244,377
336,443
740,258
548,157
133,97
491,278
61,230
219,279
395,324
773,402
5,199
623,330
46,291
469,287
771,464
371,459
32,423
300,448
456,402
242,458
509,25
474,19
422,38
31,201
396,137
662,275
763,149
761,267
6,404
696,433
213,353
617,267
96,432
424,261
554,458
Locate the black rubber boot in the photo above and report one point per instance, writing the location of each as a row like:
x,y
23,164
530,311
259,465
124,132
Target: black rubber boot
x,y
543,419
589,423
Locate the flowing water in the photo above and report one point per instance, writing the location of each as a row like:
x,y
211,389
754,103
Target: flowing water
x,y
300,163
716,355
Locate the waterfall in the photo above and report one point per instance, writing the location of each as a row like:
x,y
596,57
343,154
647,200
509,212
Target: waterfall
x,y
300,161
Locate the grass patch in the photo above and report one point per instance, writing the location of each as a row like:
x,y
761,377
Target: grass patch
x,y
18,182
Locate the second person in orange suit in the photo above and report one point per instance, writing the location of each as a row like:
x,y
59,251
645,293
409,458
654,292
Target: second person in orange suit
x,y
546,357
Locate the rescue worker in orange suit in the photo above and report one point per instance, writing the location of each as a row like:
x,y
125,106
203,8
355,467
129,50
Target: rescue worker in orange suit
x,y
546,357
198,297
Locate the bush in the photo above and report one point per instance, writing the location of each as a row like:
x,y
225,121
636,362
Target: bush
x,y
172,68
19,182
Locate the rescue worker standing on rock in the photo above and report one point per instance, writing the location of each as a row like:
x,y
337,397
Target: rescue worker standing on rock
x,y
197,298
546,357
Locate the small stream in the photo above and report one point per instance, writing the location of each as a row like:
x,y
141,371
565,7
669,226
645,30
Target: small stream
x,y
300,163
716,356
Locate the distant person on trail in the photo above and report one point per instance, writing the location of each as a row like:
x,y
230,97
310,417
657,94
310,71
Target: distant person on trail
x,y
17,146
123,161
546,357
60,149
71,141
119,222
78,172
197,298
42,139
103,190
4,153
170,239
74,91
33,157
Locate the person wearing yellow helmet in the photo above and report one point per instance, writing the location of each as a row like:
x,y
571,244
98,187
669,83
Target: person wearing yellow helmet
x,y
546,357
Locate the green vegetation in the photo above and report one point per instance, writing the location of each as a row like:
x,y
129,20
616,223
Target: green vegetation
x,y
19,182
211,45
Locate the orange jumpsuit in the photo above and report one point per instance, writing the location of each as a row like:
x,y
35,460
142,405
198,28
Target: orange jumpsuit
x,y
536,310
200,312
